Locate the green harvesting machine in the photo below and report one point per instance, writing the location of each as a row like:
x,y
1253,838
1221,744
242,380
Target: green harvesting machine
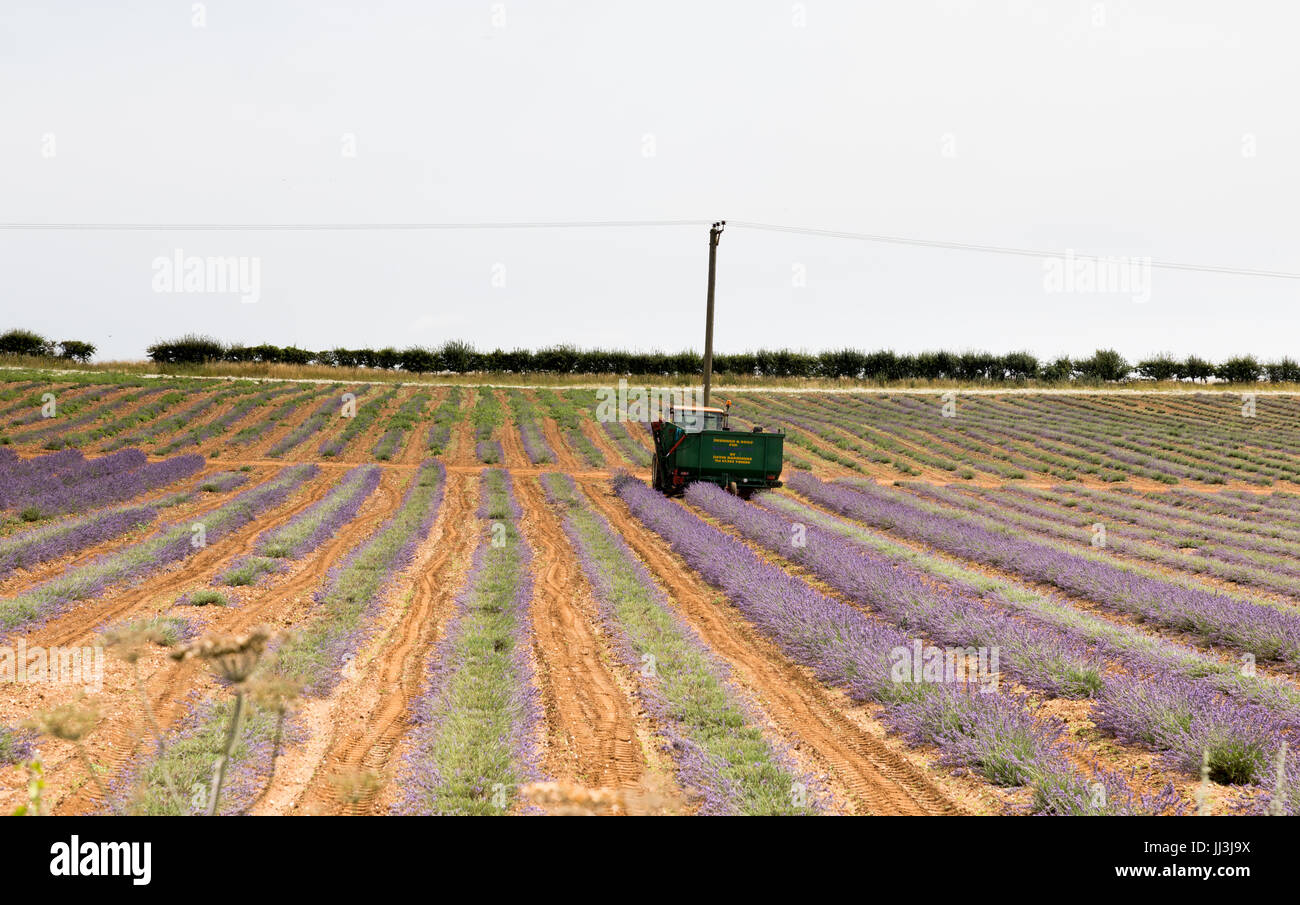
x,y
696,443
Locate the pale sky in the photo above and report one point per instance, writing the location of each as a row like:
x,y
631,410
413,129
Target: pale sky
x,y
1152,129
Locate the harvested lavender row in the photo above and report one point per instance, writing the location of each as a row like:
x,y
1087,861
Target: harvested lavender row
x,y
1220,511
68,399
444,417
84,410
473,742
314,423
142,415
114,486
353,591
223,481
258,429
357,424
488,417
715,742
633,451
204,432
992,733
1256,628
1229,563
22,551
169,424
568,417
1047,658
530,430
1171,525
170,544
399,425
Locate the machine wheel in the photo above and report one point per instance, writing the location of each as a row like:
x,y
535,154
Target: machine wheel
x,y
745,492
655,481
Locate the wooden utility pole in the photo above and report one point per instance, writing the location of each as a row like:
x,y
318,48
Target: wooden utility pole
x,y
715,233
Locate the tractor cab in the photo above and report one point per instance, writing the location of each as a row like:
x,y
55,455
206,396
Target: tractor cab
x,y
694,419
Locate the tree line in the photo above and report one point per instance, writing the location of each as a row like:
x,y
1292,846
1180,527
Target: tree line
x,y
1104,366
25,342
885,366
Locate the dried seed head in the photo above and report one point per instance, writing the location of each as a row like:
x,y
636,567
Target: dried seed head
x,y
353,786
128,642
274,692
70,722
233,657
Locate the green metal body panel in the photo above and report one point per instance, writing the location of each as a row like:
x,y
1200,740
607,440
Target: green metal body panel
x,y
752,461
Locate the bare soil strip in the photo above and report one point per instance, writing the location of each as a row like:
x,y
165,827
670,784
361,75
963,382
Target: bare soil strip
x,y
512,445
592,727
462,445
613,458
879,779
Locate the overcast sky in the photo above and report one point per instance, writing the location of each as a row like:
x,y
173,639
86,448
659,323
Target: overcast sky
x,y
1150,129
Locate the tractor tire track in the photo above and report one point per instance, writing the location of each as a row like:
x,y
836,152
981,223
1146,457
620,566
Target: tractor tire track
x,y
370,716
879,780
592,732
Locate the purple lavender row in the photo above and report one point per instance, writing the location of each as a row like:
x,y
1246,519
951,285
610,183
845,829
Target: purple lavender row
x,y
15,468
115,487
1267,632
994,734
79,471
1062,662
50,542
170,544
321,520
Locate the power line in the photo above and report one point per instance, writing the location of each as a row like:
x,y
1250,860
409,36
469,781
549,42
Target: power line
x,y
326,227
1004,250
602,224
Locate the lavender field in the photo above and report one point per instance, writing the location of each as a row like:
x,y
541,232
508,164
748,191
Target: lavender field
x,y
353,598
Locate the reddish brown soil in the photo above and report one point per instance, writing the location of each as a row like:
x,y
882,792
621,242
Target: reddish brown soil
x,y
359,727
878,778
592,731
